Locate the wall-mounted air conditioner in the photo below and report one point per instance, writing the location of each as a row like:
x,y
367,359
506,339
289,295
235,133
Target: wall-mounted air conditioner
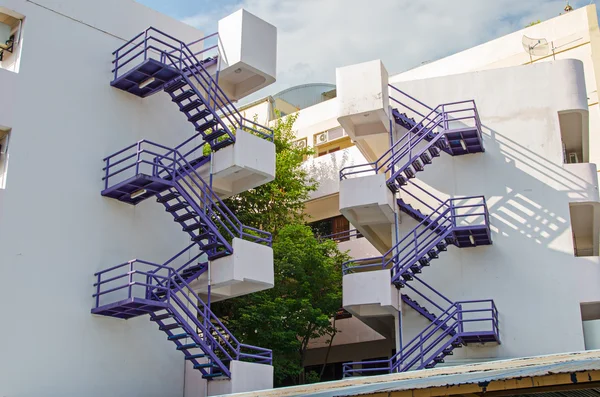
x,y
329,136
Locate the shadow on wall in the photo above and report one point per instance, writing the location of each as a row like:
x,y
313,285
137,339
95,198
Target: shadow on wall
x,y
326,169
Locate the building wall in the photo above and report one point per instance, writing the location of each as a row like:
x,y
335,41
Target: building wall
x,y
530,270
574,35
55,228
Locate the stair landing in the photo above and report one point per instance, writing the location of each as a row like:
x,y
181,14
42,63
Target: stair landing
x,y
129,308
145,185
145,78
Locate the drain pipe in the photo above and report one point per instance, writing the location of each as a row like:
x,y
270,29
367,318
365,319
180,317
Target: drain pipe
x,y
396,237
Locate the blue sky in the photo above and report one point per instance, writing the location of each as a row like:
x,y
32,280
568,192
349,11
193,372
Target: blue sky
x,y
316,36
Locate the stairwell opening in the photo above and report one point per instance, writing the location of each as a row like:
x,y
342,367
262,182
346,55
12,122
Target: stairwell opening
x,y
590,318
11,24
4,140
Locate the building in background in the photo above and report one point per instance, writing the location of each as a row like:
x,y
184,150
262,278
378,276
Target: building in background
x,y
96,170
529,171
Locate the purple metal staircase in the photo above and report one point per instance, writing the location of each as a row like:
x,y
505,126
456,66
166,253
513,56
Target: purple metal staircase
x,y
455,129
154,61
151,62
138,287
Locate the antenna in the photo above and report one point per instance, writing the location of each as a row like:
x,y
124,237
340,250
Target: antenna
x,y
535,47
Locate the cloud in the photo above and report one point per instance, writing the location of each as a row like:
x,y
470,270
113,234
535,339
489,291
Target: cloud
x,y
316,36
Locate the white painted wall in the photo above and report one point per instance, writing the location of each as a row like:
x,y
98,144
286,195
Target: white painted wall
x,y
530,270
55,228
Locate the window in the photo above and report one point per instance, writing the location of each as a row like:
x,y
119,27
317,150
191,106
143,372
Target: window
x,y
4,139
332,228
333,371
10,38
590,318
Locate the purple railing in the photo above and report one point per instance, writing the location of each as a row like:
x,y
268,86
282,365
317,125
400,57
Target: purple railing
x,y
455,324
163,284
169,165
342,236
433,127
166,49
448,217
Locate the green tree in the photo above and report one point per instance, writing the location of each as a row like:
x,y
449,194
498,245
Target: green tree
x,y
307,294
273,205
308,276
533,23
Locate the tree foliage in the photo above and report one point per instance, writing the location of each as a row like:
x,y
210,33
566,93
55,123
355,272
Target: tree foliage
x,y
280,202
307,294
308,276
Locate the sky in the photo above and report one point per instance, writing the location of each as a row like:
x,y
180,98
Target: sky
x,y
316,36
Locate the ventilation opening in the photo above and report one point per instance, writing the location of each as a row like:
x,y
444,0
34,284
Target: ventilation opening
x,y
590,317
574,137
582,226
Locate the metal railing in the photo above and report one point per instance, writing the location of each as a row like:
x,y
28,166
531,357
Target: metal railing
x,y
173,168
155,44
157,280
439,224
452,326
445,117
342,236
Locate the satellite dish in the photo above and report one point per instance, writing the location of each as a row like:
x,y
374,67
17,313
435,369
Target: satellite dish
x,y
536,47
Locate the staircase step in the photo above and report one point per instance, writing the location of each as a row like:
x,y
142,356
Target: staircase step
x,y
415,269
215,134
177,207
186,217
409,173
211,245
441,143
178,336
442,246
217,255
199,116
430,365
210,376
401,180
188,346
174,86
195,356
407,276
194,226
183,96
202,236
457,344
196,103
222,144
168,197
425,158
424,261
434,151
392,186
161,317
439,359
448,351
209,124
418,165
204,365
433,254
169,327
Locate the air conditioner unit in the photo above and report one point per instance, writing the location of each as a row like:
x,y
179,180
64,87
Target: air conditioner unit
x,y
301,144
322,138
573,158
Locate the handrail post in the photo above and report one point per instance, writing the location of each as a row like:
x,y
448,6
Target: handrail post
x,y
460,318
98,291
146,45
139,153
107,172
130,278
116,64
445,116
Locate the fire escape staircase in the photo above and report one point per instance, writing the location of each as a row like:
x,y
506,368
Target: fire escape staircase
x,y
462,222
151,62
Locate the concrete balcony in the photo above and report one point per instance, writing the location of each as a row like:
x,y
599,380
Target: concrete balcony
x,y
369,205
247,164
372,298
249,269
248,51
363,109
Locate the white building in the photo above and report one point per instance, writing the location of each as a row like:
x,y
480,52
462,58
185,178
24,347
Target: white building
x,y
521,226
82,140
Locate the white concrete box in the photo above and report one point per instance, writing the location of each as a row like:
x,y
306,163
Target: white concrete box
x,y
245,377
249,269
363,107
248,49
370,294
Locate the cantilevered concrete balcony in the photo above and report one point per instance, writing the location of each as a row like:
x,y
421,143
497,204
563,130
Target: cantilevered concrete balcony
x,y
249,269
373,299
363,109
369,205
248,163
